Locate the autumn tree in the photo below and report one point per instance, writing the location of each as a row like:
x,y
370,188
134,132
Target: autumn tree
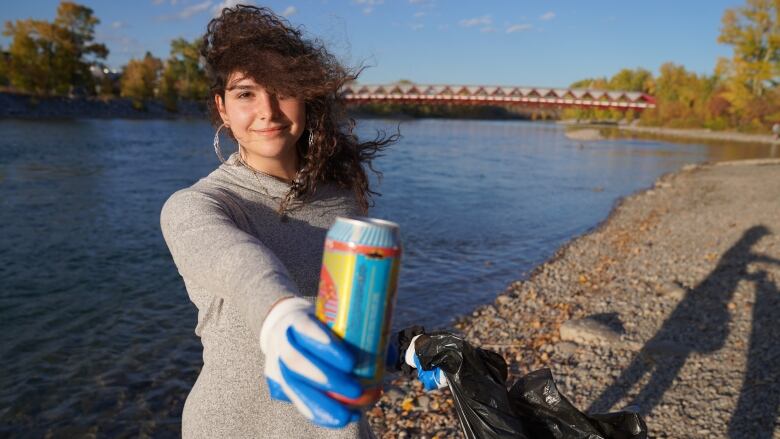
x,y
4,59
639,80
591,83
139,79
681,96
184,75
54,58
753,71
754,33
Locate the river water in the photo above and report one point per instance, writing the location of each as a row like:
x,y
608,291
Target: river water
x,y
98,329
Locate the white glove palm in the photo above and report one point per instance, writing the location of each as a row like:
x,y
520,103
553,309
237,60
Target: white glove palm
x,y
304,359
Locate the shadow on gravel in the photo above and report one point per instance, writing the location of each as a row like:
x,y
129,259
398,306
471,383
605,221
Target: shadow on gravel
x,y
700,323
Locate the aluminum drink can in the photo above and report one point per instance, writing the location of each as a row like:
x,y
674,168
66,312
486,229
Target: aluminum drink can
x,y
357,291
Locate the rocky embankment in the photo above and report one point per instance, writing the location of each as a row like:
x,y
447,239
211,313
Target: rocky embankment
x,y
29,107
672,306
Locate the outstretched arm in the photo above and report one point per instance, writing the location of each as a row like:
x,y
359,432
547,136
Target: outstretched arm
x,y
304,360
766,259
210,250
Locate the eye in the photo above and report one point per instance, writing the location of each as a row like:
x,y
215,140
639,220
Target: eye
x,y
244,95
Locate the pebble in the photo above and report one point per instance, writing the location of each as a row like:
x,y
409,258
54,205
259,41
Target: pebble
x,y
423,402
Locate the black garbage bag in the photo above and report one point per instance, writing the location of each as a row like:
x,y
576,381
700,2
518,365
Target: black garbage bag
x,y
546,413
533,408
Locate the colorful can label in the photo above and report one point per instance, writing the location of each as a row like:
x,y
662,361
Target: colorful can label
x,y
357,290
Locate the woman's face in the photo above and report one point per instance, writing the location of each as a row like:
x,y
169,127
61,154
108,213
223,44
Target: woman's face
x,y
266,125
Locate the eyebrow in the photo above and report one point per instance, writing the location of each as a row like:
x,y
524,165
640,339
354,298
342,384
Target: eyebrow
x,y
241,87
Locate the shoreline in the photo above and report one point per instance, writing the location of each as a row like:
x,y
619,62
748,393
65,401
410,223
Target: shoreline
x,y
590,132
26,107
636,286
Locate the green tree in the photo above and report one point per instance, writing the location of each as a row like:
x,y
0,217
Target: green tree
x,y
139,79
190,71
184,75
168,86
53,58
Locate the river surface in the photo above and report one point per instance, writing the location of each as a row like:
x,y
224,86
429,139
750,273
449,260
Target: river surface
x,y
97,327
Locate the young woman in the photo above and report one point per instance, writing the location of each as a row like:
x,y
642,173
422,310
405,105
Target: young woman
x,y
248,238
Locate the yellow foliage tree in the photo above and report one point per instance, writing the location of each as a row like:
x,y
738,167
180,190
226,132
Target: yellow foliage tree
x,y
54,58
139,79
753,72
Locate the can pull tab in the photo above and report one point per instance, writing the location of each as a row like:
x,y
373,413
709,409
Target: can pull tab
x,y
375,255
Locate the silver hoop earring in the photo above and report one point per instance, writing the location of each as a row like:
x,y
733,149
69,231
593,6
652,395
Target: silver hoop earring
x,y
216,144
311,138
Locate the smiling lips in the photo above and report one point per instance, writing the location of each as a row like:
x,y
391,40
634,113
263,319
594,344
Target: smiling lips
x,y
271,131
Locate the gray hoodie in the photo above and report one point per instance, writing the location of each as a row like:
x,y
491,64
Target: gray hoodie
x,y
237,258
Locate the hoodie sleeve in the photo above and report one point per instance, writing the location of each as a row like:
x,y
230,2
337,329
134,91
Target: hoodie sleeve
x,y
210,250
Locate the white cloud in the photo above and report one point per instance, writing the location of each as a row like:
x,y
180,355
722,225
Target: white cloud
x,y
290,11
417,26
217,9
488,29
417,2
419,14
117,25
518,28
368,5
195,9
122,46
547,16
477,21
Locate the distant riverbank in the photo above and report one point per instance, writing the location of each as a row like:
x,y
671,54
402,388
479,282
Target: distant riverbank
x,y
586,132
34,107
23,106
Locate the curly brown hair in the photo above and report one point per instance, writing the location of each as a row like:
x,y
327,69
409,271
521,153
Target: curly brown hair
x,y
261,45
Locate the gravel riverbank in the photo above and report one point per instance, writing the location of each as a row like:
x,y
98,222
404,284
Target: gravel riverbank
x,y
591,131
671,305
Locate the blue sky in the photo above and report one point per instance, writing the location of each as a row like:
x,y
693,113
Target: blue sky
x,y
521,42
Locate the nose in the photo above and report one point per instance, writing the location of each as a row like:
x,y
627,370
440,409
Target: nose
x,y
267,105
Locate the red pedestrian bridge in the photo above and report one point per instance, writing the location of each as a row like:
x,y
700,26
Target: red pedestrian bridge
x,y
496,95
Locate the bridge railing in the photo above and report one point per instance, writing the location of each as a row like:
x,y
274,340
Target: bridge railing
x,y
497,95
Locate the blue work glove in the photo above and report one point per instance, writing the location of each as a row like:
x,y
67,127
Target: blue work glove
x,y
431,379
304,359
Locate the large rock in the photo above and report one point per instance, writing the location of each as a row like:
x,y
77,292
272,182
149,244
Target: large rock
x,y
588,331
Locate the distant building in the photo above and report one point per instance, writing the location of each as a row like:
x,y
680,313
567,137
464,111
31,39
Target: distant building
x,y
105,78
